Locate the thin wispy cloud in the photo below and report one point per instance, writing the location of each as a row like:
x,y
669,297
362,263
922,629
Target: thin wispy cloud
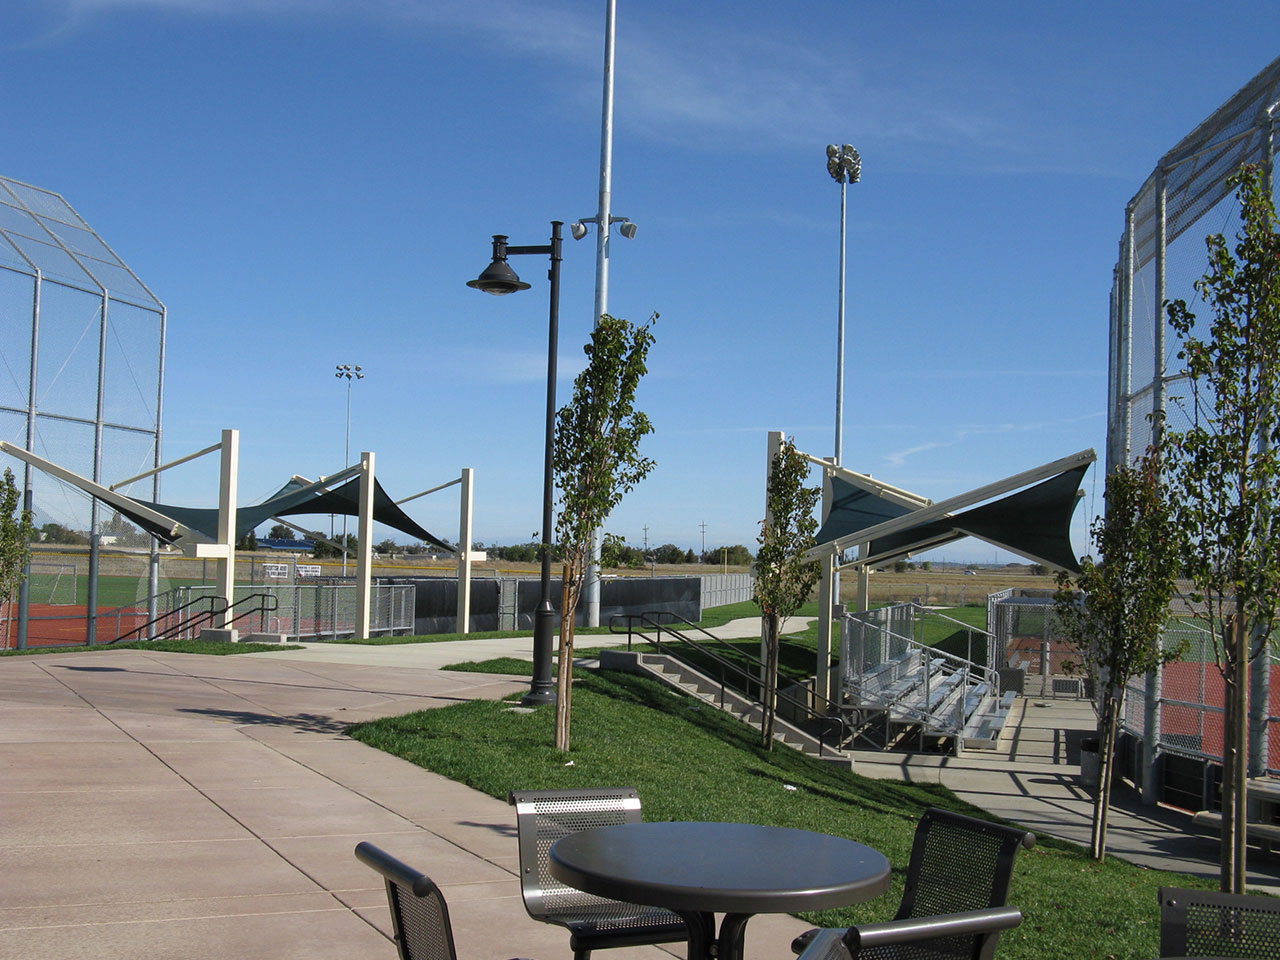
x,y
707,85
899,457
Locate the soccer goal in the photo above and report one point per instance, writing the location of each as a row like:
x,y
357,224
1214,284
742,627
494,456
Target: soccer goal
x,y
54,583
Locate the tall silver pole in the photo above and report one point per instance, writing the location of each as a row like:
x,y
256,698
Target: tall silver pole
x,y
844,190
845,166
346,462
603,214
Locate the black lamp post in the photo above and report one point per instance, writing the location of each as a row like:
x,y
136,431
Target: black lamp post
x,y
499,279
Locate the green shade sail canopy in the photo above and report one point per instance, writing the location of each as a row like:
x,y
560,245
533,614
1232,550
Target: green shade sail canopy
x,y
291,500
1034,522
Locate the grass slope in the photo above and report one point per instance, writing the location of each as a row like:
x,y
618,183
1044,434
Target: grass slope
x,y
692,763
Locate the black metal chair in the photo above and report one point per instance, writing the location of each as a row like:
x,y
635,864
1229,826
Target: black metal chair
x,y
954,901
1208,923
419,916
594,923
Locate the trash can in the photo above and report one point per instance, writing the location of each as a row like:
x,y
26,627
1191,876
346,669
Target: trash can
x,y
1090,763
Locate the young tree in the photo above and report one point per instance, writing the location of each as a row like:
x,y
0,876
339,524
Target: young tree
x,y
16,530
1225,469
596,461
784,578
1116,619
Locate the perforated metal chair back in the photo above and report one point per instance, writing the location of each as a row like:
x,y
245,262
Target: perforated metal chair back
x,y
959,863
542,818
1207,923
419,916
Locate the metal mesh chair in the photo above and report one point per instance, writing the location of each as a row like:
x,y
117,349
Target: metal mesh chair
x,y
1208,923
542,818
419,916
953,904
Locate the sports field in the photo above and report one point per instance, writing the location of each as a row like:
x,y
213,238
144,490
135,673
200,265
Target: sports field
x,y
67,624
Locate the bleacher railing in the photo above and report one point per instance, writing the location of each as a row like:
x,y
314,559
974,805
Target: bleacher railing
x,y
874,641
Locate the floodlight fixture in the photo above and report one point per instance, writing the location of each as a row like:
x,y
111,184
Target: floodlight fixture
x,y
627,227
843,163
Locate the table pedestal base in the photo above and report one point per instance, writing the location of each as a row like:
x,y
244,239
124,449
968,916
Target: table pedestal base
x,y
705,944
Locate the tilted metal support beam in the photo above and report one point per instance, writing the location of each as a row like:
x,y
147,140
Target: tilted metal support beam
x,y
105,494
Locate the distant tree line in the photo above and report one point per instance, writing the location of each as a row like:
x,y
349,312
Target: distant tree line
x,y
617,554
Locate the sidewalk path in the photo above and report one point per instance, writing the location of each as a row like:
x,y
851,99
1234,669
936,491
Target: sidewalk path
x,y
171,806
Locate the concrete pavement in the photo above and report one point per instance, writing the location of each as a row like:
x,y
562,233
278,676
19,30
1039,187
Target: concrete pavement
x,y
171,806
168,806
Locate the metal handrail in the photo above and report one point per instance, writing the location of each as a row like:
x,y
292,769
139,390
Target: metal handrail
x,y
952,663
213,602
725,664
263,608
182,624
988,674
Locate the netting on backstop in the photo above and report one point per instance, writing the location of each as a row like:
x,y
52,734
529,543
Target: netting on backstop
x,y
1187,197
1162,254
82,345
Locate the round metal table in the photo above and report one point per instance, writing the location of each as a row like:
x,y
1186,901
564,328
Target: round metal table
x,y
738,869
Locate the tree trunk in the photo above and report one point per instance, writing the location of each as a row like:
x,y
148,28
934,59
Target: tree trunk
x,y
1239,782
564,668
1235,762
1111,708
769,698
1227,845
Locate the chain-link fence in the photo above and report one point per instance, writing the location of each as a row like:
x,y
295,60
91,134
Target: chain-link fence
x,y
1162,254
1187,197
84,370
1190,697
1027,636
315,611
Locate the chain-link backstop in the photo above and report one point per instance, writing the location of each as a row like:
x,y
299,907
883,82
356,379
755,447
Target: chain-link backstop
x,y
1162,254
82,342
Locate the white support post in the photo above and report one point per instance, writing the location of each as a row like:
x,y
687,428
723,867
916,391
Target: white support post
x,y
228,494
463,624
822,676
364,550
864,580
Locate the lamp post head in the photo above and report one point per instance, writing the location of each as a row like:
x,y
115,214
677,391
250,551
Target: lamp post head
x,y
498,278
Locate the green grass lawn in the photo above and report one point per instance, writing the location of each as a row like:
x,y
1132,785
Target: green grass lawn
x,y
712,617
690,762
113,591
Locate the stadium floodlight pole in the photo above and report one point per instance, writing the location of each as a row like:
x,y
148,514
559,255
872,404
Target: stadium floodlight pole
x,y
603,220
348,372
845,167
499,279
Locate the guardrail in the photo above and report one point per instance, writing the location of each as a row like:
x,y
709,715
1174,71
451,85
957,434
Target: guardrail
x,y
675,643
870,648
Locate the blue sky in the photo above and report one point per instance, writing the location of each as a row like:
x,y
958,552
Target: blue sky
x,y
311,182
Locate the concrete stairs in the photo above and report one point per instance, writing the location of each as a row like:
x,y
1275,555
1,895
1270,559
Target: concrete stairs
x,y
680,676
